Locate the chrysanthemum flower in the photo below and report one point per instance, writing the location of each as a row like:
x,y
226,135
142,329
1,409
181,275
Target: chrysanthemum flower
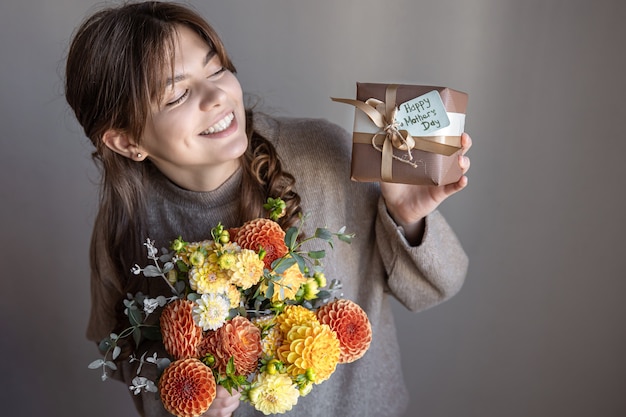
x,y
352,326
208,277
187,388
234,296
273,394
237,338
247,269
181,334
263,233
271,336
312,350
287,286
295,315
211,310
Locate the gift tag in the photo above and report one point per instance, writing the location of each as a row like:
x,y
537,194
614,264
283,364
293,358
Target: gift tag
x,y
423,115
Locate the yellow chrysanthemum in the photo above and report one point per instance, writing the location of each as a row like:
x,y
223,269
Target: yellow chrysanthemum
x,y
208,277
273,394
271,336
247,269
312,350
287,286
191,248
234,296
295,315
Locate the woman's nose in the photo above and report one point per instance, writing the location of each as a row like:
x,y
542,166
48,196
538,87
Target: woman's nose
x,y
212,95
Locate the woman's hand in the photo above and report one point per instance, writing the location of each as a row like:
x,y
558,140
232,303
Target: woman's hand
x,y
224,403
408,204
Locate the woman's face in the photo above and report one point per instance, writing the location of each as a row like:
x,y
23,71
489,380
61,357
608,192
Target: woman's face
x,y
197,134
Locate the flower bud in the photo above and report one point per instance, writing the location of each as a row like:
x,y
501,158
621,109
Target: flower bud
x,y
311,289
320,278
196,258
305,388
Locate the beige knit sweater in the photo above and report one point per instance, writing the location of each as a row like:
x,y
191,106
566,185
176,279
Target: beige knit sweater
x,y
377,264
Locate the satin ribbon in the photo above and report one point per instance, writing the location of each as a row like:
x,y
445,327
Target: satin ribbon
x,y
383,115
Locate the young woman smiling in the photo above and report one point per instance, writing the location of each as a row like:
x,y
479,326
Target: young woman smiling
x,y
157,94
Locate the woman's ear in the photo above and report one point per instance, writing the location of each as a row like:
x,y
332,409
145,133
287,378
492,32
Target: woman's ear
x,y
122,144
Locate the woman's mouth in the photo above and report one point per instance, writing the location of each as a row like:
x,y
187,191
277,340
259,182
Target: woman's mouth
x,y
220,126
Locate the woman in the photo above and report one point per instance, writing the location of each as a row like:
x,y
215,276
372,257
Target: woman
x,y
156,93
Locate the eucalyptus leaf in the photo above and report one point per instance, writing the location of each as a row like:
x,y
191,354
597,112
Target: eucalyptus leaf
x,y
163,363
180,287
167,267
323,294
116,352
151,271
96,364
111,365
104,345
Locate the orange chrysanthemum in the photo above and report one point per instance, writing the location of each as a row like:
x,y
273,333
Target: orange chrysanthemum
x,y
187,388
237,338
263,233
181,335
312,350
352,326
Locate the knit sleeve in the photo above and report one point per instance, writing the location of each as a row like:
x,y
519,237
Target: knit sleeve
x,y
421,276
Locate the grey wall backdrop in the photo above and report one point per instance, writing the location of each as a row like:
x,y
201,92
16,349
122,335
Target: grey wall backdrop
x,y
538,328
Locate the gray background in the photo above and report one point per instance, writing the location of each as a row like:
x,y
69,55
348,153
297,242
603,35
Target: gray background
x,y
537,330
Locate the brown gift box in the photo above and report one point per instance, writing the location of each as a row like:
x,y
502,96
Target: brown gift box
x,y
432,160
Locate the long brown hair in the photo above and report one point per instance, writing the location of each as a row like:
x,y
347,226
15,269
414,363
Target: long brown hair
x,y
114,71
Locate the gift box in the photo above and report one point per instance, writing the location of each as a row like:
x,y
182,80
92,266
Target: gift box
x,y
408,134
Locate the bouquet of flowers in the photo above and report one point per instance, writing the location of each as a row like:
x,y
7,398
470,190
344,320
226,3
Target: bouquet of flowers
x,y
250,310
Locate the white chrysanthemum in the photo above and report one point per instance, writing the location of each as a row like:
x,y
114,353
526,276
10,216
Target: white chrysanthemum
x,y
211,311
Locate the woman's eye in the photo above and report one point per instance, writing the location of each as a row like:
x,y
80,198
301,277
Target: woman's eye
x,y
218,72
179,99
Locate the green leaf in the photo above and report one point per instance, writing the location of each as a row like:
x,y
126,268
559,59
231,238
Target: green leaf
x,y
323,233
317,254
270,290
230,366
152,333
299,259
137,335
134,316
282,264
291,237
346,238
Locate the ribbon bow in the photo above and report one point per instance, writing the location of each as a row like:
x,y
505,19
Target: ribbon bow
x,y
383,115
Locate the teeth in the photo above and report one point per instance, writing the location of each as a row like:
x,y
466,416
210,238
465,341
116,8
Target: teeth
x,y
221,125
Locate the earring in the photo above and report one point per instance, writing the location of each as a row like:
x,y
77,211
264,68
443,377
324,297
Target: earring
x,y
138,155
